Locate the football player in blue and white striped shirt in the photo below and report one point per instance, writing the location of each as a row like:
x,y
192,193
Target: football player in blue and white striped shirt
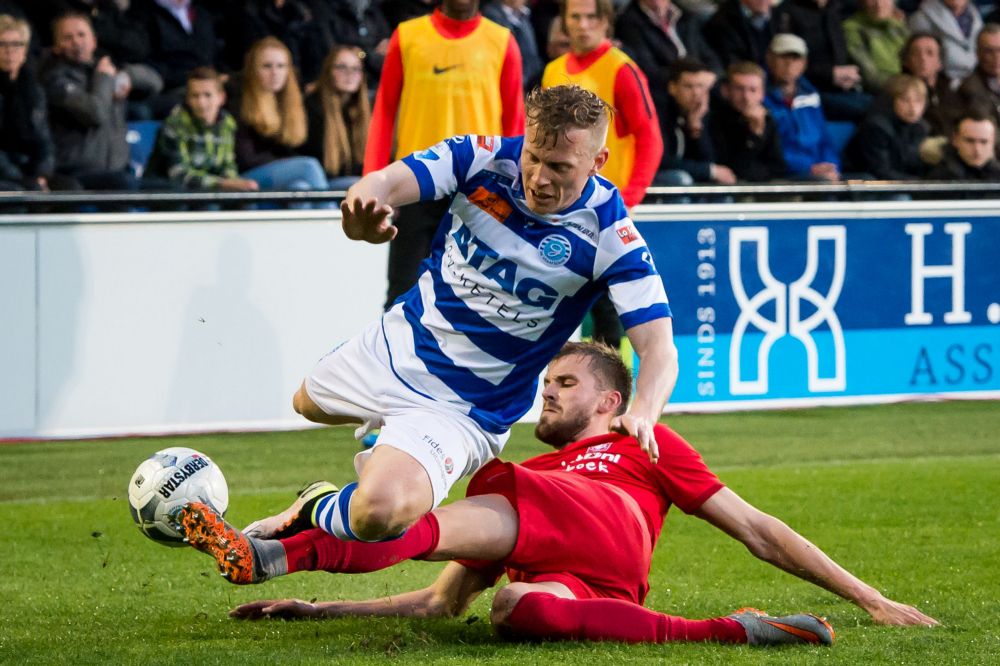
x,y
533,236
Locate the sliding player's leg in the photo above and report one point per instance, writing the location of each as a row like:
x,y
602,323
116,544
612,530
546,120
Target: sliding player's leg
x,y
551,611
564,606
481,528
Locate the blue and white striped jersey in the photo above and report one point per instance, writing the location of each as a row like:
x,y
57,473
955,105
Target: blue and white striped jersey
x,y
504,288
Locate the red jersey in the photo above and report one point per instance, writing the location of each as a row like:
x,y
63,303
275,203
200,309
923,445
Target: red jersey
x,y
679,477
590,513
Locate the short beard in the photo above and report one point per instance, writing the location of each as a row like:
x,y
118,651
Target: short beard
x,y
562,431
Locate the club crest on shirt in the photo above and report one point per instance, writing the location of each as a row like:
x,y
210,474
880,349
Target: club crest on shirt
x,y
555,250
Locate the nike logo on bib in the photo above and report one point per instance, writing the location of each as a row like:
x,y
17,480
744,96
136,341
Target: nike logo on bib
x,y
442,70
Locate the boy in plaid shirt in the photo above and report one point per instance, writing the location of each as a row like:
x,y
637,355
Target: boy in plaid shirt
x,y
195,147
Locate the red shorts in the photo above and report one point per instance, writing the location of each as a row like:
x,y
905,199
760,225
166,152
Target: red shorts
x,y
585,534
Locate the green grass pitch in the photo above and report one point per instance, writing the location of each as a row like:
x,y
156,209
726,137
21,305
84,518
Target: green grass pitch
x,y
905,496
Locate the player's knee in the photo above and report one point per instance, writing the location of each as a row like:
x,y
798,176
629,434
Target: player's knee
x,y
504,602
377,516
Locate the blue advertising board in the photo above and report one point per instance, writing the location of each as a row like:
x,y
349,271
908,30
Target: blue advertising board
x,y
830,304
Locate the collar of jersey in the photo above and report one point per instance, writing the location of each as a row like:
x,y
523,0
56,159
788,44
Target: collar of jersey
x,y
554,218
606,438
450,28
577,63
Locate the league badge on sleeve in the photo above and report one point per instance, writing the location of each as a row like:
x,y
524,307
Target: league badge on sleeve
x,y
431,154
627,233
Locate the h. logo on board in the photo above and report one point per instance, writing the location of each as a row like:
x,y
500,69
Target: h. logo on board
x,y
788,311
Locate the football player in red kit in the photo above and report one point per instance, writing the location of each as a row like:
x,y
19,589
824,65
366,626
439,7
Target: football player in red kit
x,y
574,530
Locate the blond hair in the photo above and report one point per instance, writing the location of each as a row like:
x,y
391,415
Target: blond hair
x,y
745,68
552,112
341,148
279,116
901,84
8,23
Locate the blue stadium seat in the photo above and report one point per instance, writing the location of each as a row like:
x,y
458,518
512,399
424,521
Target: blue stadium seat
x,y
840,133
141,137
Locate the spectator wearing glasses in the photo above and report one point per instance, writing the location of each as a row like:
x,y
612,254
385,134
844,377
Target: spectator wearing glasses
x,y
27,155
339,113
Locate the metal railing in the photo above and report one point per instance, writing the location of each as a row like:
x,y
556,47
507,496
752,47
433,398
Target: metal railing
x,y
852,190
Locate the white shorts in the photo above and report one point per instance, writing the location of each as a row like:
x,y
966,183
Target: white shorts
x,y
356,380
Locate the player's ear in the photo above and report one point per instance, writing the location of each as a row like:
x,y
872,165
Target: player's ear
x,y
599,161
611,402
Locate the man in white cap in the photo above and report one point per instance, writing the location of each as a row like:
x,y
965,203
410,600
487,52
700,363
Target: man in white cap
x,y
795,105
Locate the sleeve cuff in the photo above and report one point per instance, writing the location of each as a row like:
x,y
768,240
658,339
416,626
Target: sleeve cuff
x,y
641,316
423,175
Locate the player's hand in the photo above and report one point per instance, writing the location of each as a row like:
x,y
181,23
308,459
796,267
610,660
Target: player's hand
x,y
894,614
286,609
367,220
639,427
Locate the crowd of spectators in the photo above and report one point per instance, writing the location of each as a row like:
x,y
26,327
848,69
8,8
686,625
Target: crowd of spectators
x,y
279,94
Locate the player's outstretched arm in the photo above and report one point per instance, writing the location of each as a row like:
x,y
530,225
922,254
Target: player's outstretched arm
x,y
368,206
653,341
448,596
776,543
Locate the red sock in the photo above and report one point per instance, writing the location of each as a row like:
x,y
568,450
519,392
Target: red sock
x,y
316,550
541,615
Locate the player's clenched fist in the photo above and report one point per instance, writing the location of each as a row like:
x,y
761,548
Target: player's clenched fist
x,y
367,220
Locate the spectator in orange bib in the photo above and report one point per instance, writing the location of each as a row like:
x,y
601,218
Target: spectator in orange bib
x,y
449,73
